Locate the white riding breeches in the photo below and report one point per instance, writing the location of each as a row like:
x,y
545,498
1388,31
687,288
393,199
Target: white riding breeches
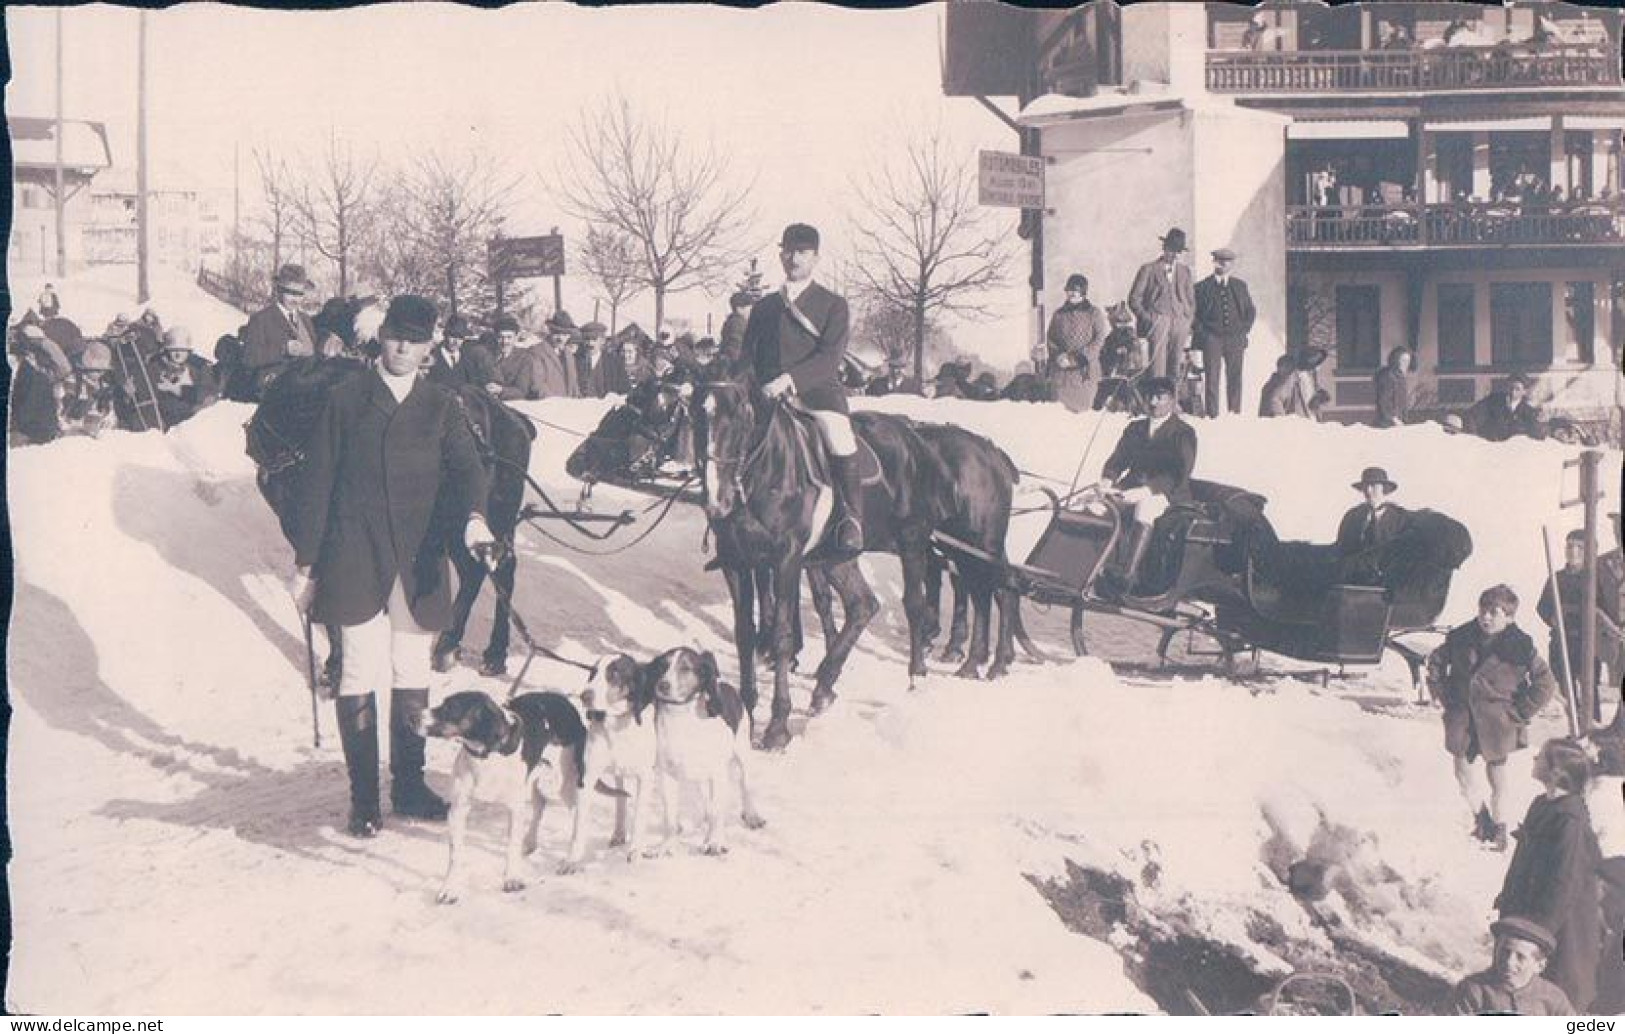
x,y
1147,505
386,651
837,431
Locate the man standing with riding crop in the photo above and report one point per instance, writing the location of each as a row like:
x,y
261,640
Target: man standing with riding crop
x,y
795,342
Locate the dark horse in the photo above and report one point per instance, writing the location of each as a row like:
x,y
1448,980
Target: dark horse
x,y
761,468
277,435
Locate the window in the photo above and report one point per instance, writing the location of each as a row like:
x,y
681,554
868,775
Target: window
x,y
1578,147
1580,322
1359,327
1457,332
1521,324
1454,165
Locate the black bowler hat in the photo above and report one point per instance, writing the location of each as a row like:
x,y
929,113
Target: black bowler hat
x,y
410,317
799,237
1173,240
1375,476
506,323
457,327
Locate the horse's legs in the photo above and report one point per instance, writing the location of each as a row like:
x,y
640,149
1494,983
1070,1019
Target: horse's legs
x,y
915,558
933,597
960,628
1005,651
742,589
858,608
818,581
496,651
470,577
980,590
787,582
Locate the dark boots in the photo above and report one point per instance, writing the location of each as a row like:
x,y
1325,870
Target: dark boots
x,y
1117,582
847,541
409,795
358,733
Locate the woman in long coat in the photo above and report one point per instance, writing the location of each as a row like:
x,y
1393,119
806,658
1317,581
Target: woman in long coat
x,y
1553,876
1076,332
1393,384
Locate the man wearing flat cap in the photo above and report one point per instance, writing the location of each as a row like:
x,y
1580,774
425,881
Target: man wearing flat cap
x,y
1367,528
1224,316
393,483
1513,983
1164,302
795,344
281,331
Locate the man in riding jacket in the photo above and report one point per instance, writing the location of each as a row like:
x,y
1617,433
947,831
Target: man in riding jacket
x,y
393,482
795,342
1150,467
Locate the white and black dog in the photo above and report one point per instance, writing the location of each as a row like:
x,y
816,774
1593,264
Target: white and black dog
x,y
670,721
520,755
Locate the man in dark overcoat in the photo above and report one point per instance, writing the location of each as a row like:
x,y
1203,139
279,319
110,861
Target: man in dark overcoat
x,y
280,331
1150,468
1164,302
392,483
457,361
1367,528
795,344
1224,317
1491,681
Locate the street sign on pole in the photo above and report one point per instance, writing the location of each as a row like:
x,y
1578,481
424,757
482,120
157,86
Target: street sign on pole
x,y
515,258
1009,180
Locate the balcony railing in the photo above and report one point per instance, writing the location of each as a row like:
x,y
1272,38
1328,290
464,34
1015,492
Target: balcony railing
x,y
1461,224
1391,71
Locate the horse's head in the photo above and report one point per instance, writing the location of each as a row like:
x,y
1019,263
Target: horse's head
x,y
725,433
633,438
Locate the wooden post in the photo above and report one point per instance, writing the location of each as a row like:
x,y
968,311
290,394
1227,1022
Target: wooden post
x,y
1575,724
143,288
1591,493
61,197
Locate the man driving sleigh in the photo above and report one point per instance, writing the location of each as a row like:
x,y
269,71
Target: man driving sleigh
x,y
795,342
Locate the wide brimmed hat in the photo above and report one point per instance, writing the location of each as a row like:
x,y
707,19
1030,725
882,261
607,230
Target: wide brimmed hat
x,y
1310,358
1525,930
1173,240
411,318
561,323
1375,476
799,237
291,279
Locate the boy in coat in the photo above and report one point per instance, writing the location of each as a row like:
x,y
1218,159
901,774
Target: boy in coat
x,y
1552,878
1491,681
1224,316
393,482
1513,983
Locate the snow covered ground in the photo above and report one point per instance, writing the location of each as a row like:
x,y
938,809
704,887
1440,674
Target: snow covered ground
x,y
176,840
93,297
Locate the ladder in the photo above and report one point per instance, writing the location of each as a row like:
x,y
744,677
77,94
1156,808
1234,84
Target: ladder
x,y
136,381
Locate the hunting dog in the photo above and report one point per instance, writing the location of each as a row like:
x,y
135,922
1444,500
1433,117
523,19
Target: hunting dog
x,y
667,722
520,755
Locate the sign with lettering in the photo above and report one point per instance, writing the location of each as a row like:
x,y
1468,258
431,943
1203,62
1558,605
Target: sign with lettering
x,y
513,258
1010,180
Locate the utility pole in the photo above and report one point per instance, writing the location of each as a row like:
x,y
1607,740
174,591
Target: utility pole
x,y
61,198
143,288
236,213
558,287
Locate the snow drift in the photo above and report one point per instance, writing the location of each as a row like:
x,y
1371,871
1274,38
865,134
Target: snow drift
x,y
176,840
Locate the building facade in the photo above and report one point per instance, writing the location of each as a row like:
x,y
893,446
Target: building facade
x,y
1447,176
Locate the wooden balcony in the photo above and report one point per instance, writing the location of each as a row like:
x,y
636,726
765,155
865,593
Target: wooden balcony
x,y
1458,225
1407,71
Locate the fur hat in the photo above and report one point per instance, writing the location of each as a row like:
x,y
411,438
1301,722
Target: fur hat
x,y
1525,930
799,237
411,318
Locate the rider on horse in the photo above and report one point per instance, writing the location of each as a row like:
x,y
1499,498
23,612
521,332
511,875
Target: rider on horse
x,y
795,342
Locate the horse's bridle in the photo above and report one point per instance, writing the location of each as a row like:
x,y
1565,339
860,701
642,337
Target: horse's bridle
x,y
739,465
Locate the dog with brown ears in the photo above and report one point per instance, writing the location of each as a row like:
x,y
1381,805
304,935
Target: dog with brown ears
x,y
667,722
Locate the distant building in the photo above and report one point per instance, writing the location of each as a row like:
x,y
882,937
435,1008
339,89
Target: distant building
x,y
1445,176
189,225
85,153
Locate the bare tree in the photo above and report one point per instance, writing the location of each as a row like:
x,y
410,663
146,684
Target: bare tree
x,y
610,257
452,207
923,245
334,203
277,210
638,177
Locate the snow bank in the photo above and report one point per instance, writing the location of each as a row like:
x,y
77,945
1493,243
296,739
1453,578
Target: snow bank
x,y
176,848
93,297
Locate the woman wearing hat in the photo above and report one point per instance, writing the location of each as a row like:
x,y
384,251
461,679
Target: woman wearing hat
x,y
1367,528
1291,389
392,483
182,381
1076,332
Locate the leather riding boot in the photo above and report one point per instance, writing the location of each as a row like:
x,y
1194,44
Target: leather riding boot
x,y
358,734
848,537
1123,579
409,795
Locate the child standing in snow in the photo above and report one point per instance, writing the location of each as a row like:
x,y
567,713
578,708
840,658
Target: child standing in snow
x,y
1490,680
1513,983
1552,878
